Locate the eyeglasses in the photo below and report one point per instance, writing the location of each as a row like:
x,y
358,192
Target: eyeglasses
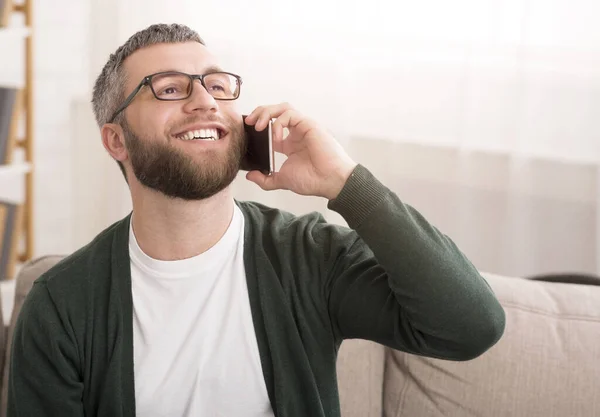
x,y
173,86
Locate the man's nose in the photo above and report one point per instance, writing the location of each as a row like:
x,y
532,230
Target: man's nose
x,y
200,99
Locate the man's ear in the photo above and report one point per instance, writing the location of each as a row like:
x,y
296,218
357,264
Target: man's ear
x,y
113,140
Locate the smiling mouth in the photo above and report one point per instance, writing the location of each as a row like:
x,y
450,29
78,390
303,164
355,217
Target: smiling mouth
x,y
202,134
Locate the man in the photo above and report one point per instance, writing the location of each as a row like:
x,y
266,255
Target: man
x,y
199,305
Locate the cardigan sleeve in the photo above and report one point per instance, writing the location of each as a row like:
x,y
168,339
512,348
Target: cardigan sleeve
x,y
395,279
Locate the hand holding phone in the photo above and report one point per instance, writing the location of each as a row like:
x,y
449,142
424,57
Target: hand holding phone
x,y
259,155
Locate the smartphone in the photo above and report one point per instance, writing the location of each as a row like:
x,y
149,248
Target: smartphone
x,y
259,154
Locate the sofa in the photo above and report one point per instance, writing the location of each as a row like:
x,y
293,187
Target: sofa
x,y
547,364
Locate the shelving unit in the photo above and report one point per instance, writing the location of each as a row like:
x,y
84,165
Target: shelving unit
x,y
17,176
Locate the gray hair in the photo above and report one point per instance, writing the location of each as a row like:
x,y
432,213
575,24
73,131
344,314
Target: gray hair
x,y
109,89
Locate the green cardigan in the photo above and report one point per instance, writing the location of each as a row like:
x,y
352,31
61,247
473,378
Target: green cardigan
x,y
391,277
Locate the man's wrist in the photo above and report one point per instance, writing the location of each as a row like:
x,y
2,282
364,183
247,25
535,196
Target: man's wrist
x,y
361,194
339,181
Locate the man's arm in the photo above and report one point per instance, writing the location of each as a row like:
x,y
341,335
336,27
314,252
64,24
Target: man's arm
x,y
401,282
43,378
395,279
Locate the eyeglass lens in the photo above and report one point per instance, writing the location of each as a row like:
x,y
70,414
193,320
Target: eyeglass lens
x,y
173,86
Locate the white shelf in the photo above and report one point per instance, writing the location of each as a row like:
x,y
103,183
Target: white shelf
x,y
12,44
11,170
12,181
8,34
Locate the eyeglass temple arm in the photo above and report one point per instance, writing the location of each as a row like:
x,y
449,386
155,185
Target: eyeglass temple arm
x,y
128,100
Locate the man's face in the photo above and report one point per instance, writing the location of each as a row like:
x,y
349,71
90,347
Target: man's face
x,y
160,158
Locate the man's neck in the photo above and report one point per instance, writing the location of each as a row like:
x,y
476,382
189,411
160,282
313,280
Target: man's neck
x,y
172,229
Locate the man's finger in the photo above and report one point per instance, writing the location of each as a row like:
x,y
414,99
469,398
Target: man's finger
x,y
291,119
266,182
261,115
253,117
278,143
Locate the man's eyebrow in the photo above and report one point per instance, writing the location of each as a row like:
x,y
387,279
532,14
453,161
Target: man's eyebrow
x,y
213,68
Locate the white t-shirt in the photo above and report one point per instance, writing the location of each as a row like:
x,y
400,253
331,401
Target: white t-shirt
x,y
195,350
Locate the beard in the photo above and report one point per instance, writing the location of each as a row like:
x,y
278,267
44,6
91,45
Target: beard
x,y
168,170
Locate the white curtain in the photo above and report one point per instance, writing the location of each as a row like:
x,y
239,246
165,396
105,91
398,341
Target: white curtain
x,y
480,113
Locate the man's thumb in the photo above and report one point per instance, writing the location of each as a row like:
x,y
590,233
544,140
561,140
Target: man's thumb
x,y
266,182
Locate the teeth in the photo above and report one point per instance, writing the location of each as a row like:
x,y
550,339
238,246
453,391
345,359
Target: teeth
x,y
202,134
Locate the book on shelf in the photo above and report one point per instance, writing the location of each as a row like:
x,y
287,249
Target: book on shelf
x,y
10,222
9,103
5,9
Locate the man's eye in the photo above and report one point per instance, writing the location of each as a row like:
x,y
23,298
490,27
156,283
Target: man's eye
x,y
168,91
217,87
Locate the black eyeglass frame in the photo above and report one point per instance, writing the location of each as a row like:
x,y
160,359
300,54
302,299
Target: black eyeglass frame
x,y
148,81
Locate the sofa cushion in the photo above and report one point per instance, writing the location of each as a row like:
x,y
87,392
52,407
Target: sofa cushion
x,y
29,272
360,378
546,364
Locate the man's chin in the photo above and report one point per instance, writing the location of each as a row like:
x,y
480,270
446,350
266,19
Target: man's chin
x,y
196,178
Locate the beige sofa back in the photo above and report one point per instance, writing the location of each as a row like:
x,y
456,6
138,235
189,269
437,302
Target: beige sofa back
x,y
546,364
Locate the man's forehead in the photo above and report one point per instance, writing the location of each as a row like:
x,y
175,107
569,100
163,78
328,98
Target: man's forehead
x,y
189,57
